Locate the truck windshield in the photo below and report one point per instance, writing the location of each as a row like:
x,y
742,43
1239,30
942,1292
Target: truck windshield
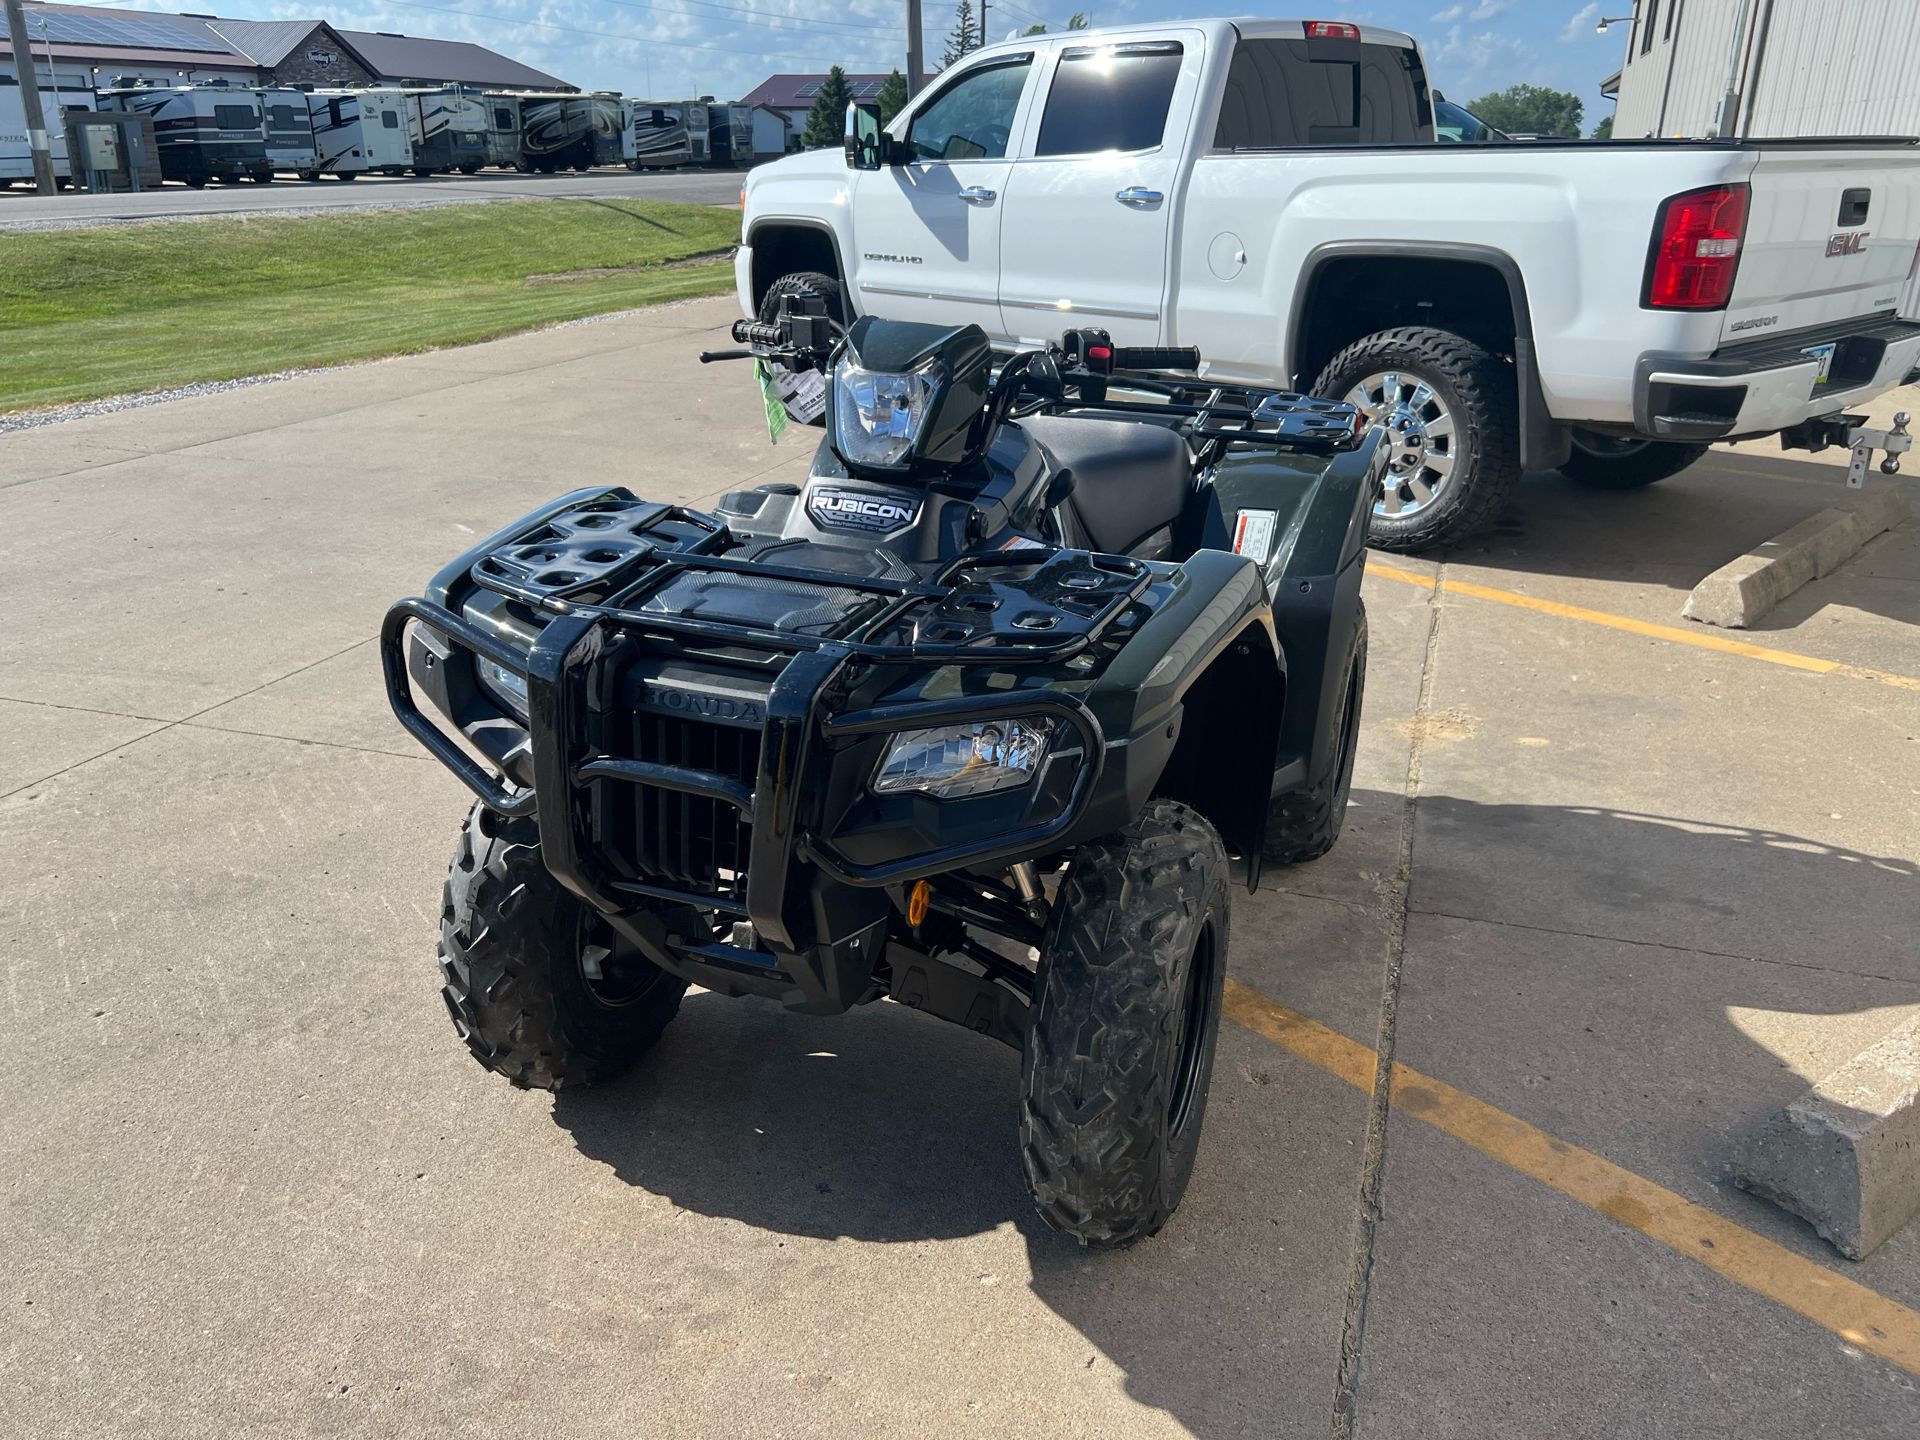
x,y
1288,93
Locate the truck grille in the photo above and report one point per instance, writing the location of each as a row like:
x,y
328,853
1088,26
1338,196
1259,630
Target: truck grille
x,y
682,840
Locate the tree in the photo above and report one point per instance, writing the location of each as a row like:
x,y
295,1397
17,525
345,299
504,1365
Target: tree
x,y
1076,21
827,120
965,38
893,97
1604,130
1531,110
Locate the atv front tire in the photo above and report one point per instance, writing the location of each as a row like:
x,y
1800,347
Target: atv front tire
x,y
1609,462
1126,1014
538,988
1303,824
1452,413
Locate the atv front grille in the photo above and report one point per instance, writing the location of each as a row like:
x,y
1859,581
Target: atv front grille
x,y
689,842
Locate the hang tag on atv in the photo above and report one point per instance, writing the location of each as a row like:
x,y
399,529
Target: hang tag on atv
x,y
774,403
1253,534
807,400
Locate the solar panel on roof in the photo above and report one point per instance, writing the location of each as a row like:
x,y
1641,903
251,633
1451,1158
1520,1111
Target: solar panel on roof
x,y
114,30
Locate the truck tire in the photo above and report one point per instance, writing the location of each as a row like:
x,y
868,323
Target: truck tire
x,y
1126,1014
516,952
1453,415
1303,824
1619,462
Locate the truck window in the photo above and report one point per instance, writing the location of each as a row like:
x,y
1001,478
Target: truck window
x,y
1109,98
1283,93
973,118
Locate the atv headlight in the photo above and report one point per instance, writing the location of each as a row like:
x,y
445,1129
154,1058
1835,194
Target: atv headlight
x,y
879,415
958,760
509,689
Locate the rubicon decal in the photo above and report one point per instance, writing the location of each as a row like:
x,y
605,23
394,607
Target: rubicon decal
x,y
836,508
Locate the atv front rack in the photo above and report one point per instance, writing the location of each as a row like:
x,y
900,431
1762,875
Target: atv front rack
x,y
604,559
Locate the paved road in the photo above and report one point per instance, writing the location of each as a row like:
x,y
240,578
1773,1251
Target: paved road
x,y
252,1184
22,208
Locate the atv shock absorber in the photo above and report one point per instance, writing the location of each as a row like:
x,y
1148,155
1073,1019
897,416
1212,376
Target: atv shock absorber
x,y
1033,895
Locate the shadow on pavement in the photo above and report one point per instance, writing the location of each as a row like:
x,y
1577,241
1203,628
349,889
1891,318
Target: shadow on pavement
x,y
888,1126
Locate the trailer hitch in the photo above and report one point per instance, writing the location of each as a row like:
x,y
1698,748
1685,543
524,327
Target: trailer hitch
x,y
1864,441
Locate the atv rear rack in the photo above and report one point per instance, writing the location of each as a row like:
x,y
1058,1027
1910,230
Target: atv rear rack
x,y
570,564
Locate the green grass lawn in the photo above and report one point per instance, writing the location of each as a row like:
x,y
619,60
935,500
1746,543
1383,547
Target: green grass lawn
x,y
85,313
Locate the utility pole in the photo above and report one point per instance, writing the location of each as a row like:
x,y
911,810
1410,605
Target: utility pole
x,y
983,23
916,56
22,46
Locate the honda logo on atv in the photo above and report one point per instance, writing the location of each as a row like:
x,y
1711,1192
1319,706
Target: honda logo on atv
x,y
1848,242
835,508
706,707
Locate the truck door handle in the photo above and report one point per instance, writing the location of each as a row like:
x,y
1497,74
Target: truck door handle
x,y
1139,197
978,195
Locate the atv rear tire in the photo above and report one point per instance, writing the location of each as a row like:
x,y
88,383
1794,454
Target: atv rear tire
x,y
1303,824
1126,1014
516,948
1457,408
1609,462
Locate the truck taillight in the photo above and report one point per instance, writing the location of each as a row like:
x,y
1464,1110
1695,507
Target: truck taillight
x,y
1696,249
1331,30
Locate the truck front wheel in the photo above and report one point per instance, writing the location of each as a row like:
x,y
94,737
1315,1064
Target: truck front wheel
x,y
1126,1014
541,990
1452,419
1620,462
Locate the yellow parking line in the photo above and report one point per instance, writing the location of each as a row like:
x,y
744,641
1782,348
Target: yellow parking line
x,y
1702,639
1862,1317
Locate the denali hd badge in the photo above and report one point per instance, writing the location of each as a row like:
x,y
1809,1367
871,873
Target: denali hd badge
x,y
835,508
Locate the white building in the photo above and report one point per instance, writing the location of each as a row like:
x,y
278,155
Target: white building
x,y
1770,67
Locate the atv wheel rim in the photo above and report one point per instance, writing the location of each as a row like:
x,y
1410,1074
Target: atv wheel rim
x,y
614,974
1422,443
1196,1019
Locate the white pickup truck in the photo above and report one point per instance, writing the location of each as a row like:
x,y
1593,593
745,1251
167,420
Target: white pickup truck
x,y
1270,192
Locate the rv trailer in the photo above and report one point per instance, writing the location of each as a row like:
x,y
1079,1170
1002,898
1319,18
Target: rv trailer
x,y
16,153
352,133
731,129
203,132
287,127
699,137
654,136
449,131
556,132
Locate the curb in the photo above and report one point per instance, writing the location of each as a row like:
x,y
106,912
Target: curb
x,y
1740,592
1846,1155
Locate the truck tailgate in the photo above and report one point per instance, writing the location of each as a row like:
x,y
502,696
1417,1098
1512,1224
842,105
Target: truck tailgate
x,y
1811,260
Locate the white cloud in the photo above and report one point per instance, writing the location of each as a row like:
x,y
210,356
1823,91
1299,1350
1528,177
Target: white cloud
x,y
1466,66
1487,9
1449,15
1580,25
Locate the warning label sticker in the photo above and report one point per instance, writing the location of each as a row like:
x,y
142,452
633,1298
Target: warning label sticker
x,y
1253,534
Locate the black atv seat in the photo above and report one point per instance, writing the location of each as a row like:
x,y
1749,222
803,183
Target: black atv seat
x,y
1131,480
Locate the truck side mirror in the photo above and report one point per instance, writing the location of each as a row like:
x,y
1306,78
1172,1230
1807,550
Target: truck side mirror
x,y
865,148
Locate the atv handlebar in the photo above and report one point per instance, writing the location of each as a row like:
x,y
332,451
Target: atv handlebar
x,y
1155,357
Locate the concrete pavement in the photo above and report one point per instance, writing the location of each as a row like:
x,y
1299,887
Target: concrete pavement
x,y
23,209
257,1185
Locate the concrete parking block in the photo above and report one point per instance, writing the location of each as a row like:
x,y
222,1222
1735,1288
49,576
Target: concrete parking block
x,y
1741,592
1846,1155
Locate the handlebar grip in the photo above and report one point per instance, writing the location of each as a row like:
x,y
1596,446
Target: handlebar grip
x,y
759,332
1156,357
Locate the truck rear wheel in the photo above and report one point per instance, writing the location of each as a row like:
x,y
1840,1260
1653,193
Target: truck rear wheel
x,y
1621,462
1126,1014
1303,824
541,990
1450,410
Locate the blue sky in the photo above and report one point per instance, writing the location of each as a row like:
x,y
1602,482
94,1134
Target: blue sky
x,y
725,47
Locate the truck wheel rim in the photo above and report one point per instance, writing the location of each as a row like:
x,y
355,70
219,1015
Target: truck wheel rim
x,y
1423,441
